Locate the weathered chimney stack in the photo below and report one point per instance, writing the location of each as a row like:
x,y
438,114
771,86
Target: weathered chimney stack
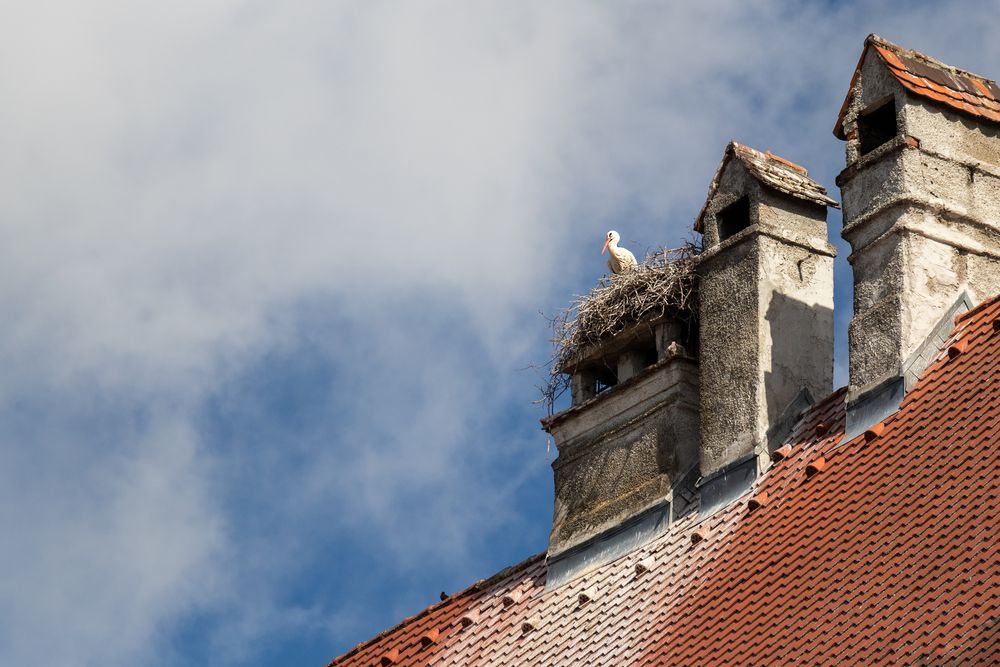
x,y
920,192
765,304
628,441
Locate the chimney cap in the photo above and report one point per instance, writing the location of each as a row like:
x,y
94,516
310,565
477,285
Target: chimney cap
x,y
770,170
928,78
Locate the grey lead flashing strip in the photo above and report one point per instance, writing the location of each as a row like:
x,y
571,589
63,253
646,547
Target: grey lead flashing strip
x,y
726,485
608,546
872,407
917,362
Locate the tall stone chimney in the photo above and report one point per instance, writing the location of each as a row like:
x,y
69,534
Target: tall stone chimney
x,y
920,193
765,305
626,445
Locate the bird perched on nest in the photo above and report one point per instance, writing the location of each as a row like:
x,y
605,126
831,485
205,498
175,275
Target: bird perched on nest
x,y
620,260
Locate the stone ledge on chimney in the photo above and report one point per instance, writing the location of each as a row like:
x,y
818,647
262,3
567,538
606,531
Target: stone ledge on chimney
x,y
621,452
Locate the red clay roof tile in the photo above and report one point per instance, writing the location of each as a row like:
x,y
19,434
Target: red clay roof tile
x,y
874,431
757,501
782,453
700,534
893,559
958,347
816,466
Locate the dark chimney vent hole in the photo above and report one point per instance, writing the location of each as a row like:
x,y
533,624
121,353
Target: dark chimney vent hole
x,y
877,126
734,218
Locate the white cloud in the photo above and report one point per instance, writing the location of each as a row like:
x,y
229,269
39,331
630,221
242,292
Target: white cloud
x,y
178,179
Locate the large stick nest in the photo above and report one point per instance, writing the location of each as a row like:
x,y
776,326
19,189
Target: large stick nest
x,y
664,283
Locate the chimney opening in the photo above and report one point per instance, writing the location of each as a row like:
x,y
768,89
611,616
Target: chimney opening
x,y
734,218
877,126
606,378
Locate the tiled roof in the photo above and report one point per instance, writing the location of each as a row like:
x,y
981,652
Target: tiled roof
x,y
922,75
881,550
771,170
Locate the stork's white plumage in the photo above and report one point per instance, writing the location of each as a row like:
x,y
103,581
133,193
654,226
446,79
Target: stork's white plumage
x,y
620,260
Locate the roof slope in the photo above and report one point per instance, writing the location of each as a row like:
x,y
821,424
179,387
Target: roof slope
x,y
881,550
929,78
772,171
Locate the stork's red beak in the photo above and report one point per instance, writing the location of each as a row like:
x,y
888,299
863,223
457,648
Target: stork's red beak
x,y
605,245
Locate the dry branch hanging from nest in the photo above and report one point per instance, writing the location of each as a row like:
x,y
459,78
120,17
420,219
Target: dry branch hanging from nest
x,y
663,283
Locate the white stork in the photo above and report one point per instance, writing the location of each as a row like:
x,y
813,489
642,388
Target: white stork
x,y
620,260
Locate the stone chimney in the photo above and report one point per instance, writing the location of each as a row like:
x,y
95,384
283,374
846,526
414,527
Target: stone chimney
x,y
920,193
628,441
765,307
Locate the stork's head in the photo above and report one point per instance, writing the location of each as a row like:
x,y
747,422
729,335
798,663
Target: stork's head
x,y
613,237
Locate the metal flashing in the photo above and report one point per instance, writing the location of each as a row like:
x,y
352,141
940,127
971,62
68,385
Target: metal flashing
x,y
727,484
684,496
608,546
783,426
915,364
873,406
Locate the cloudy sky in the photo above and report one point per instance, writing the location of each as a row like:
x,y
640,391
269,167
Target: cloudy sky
x,y
271,274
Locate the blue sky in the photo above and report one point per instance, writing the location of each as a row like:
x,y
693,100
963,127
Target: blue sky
x,y
271,276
